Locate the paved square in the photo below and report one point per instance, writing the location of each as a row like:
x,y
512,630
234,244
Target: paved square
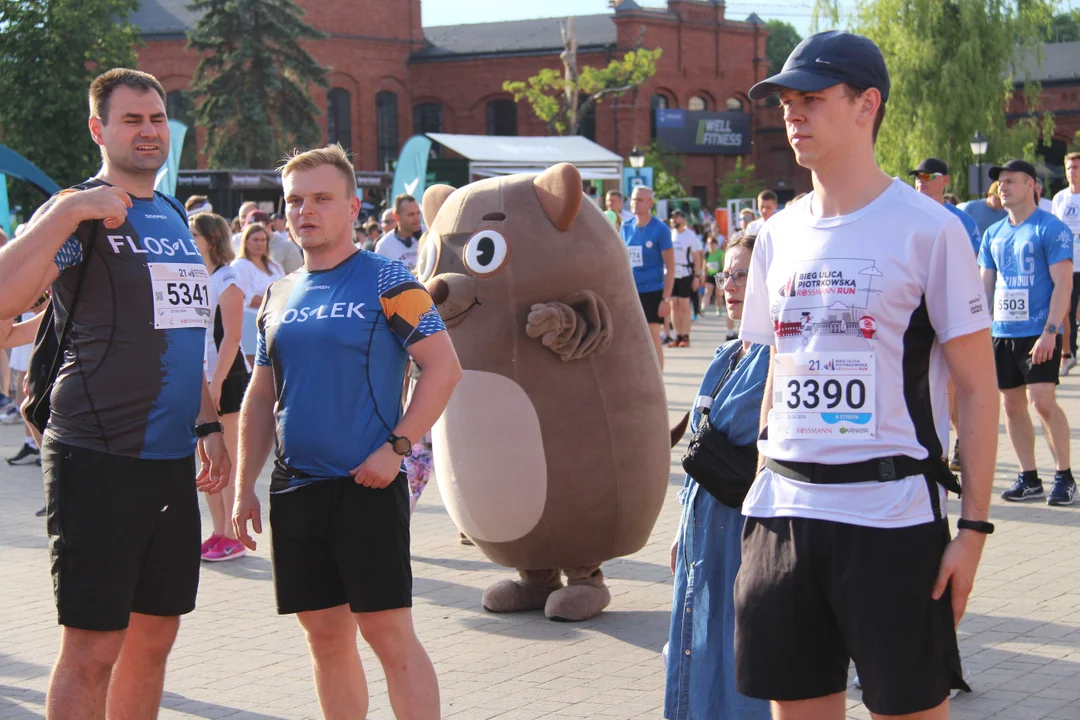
x,y
236,659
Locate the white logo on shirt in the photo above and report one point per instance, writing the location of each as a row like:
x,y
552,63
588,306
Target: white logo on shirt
x,y
318,312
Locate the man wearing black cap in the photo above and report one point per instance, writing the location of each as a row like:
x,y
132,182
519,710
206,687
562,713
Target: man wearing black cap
x,y
931,179
867,293
1027,267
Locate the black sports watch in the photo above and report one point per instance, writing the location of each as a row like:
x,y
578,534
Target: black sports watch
x,y
209,428
401,445
976,525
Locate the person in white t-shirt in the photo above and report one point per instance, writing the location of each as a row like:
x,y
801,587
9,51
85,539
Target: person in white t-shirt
x,y
866,292
766,205
689,256
1066,208
256,270
403,242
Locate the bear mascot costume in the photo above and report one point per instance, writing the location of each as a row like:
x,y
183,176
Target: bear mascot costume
x,y
553,453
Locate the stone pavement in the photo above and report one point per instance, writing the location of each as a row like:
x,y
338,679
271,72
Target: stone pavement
x,y
236,659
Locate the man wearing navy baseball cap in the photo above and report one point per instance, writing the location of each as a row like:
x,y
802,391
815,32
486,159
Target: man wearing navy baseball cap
x,y
866,291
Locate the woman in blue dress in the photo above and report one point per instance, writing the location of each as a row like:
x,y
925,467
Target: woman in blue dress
x,y
707,551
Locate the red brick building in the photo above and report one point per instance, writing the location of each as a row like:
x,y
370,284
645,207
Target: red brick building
x,y
391,78
1059,74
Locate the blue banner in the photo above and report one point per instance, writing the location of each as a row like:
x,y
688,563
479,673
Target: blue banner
x,y
410,175
5,211
170,171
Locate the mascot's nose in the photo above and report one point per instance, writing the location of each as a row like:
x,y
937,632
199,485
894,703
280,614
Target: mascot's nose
x,y
439,290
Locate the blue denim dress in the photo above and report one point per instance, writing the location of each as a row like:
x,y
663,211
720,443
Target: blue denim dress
x,y
701,648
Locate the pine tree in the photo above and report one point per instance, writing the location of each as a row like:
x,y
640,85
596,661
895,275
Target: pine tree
x,y
253,81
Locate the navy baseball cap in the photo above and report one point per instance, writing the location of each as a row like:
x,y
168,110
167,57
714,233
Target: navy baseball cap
x,y
1014,166
826,59
931,165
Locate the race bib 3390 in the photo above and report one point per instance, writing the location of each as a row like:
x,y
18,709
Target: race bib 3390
x,y
823,394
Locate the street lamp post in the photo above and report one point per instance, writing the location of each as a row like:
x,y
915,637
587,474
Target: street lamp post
x,y
978,149
637,158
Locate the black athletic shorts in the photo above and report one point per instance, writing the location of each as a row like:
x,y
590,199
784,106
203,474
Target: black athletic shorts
x,y
684,287
811,594
232,393
1012,356
336,542
650,303
124,535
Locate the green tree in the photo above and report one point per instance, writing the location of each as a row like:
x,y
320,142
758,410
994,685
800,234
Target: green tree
x,y
824,15
253,80
667,172
781,41
1065,27
50,51
564,99
739,182
951,66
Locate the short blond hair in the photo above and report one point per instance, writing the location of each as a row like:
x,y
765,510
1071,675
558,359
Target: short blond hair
x,y
334,155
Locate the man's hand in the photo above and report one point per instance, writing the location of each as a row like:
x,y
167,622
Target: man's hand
x,y
105,203
665,308
379,470
695,284
247,508
958,567
214,458
1044,348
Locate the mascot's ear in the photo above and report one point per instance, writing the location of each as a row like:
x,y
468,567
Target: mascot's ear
x,y
559,191
434,197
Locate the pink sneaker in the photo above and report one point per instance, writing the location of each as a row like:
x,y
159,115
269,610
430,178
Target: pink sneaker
x,y
225,549
209,543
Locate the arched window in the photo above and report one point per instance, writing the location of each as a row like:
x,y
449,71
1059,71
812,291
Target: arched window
x,y
427,117
386,134
734,104
697,103
657,102
502,117
339,117
180,106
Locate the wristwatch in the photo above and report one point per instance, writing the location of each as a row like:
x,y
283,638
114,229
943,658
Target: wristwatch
x,y
1051,328
204,429
401,445
976,525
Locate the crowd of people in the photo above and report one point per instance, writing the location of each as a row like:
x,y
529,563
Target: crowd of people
x,y
874,319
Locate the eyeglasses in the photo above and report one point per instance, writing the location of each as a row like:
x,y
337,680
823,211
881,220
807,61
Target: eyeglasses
x,y
738,277
927,177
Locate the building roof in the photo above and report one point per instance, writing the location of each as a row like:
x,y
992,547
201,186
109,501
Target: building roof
x,y
514,36
158,19
1060,63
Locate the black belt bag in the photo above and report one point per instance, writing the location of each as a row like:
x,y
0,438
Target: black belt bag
x,y
885,469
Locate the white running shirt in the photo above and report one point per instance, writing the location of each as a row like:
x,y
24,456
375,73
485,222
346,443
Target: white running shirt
x,y
220,280
869,297
685,243
1066,208
391,246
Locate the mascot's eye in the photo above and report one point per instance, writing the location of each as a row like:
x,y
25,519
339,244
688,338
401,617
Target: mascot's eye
x,y
486,252
429,257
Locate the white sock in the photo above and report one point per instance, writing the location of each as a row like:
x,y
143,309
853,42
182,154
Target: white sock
x,y
30,442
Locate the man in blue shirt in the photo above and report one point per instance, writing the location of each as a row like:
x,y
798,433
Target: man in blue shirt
x,y
931,179
985,212
334,337
1027,267
652,258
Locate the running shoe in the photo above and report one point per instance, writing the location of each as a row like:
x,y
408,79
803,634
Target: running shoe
x,y
733,336
954,464
42,512
1063,492
5,400
209,543
1067,364
1022,490
225,549
11,416
684,342
26,453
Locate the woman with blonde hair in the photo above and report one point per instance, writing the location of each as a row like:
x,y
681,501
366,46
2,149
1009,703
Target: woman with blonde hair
x,y
226,369
256,270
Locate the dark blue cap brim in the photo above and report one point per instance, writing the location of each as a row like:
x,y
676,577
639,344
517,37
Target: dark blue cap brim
x,y
801,80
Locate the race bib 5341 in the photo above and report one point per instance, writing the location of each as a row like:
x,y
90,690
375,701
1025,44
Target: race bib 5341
x,y
181,295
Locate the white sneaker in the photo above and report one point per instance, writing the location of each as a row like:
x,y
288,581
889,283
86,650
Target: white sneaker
x,y
11,416
1067,364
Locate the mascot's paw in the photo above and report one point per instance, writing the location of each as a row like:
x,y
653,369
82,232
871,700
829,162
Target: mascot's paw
x,y
577,602
508,596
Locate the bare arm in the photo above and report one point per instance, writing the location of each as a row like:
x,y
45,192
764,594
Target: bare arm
x,y
26,263
231,304
256,441
989,278
766,404
440,373
18,334
669,275
1062,275
699,261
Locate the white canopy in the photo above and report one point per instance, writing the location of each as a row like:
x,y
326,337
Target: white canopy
x,y
491,155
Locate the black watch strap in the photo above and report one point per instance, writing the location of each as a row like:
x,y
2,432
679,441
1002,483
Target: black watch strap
x,y
401,445
204,429
976,525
